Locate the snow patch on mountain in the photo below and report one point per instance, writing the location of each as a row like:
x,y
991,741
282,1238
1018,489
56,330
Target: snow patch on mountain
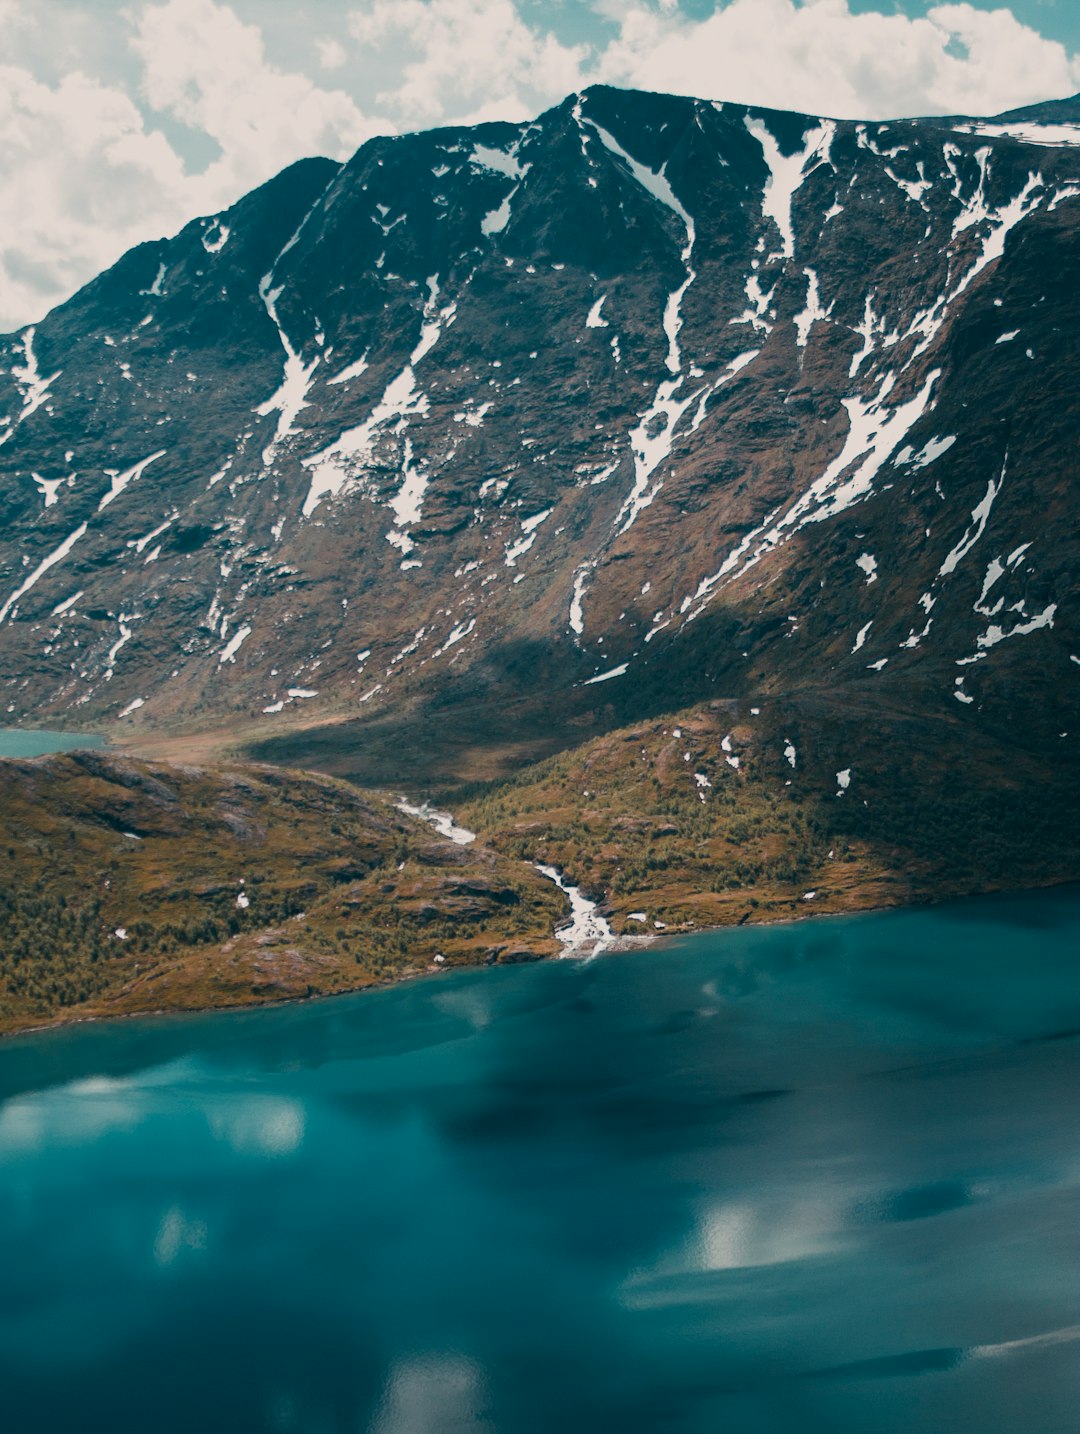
x,y
736,366
979,516
407,503
352,370
49,488
874,431
141,544
291,394
595,319
757,313
813,312
786,174
234,644
656,183
56,556
125,633
915,189
499,161
31,383
155,290
350,454
651,440
506,163
529,530
607,676
496,220
457,634
995,633
929,453
577,598
651,443
975,210
215,236
119,481
1050,135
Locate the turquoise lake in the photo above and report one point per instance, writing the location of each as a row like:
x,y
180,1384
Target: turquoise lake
x,y
19,742
804,1179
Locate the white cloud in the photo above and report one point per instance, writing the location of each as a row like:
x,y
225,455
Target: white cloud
x,y
85,171
331,54
462,60
81,180
821,58
205,67
466,60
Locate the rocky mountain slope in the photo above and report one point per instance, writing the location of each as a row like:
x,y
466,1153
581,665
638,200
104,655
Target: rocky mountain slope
x,y
649,382
494,441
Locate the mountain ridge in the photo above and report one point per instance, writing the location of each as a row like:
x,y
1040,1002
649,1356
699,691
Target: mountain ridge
x,y
327,187
294,294
494,444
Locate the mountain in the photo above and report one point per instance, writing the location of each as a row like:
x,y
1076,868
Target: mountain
x,y
496,443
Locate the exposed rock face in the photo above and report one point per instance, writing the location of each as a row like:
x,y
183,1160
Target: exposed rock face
x,y
648,401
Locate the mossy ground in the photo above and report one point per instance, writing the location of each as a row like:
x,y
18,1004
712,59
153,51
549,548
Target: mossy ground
x,y
230,886
928,812
239,883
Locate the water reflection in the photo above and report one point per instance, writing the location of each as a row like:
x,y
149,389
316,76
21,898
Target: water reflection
x,y
817,1178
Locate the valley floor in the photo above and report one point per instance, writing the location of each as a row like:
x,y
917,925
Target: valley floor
x,y
134,884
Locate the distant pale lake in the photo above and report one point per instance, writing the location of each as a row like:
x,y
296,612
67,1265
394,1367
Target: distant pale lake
x,y
809,1179
15,742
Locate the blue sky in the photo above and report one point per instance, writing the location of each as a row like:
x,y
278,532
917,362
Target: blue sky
x,y
121,121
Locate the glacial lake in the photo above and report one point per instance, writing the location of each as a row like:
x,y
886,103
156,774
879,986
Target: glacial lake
x,y
810,1179
19,742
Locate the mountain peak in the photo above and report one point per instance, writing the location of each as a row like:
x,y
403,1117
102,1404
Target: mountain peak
x,y
646,402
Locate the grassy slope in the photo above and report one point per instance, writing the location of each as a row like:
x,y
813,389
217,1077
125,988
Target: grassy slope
x,y
343,890
929,812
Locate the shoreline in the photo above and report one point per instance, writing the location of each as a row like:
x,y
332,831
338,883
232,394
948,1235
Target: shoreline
x,y
618,945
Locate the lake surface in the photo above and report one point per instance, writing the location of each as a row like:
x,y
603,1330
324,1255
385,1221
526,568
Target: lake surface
x,y
18,742
795,1180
